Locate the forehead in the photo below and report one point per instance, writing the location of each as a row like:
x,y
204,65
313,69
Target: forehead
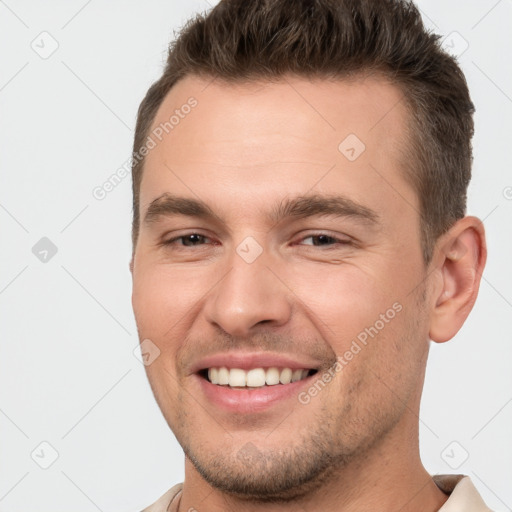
x,y
286,133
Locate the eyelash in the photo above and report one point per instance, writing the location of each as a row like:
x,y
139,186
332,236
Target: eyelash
x,y
337,241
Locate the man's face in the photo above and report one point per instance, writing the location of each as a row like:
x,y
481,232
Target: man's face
x,y
342,293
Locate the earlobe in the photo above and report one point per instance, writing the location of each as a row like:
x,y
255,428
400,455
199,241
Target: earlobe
x,y
461,259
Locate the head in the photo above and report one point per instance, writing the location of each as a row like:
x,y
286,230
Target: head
x,y
342,123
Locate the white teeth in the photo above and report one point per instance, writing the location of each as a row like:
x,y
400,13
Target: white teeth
x,y
237,377
296,375
223,376
256,377
272,376
213,375
286,376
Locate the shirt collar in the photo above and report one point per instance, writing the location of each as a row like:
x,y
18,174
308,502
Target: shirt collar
x,y
463,494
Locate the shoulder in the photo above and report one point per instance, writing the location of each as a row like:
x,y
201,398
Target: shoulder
x,y
162,503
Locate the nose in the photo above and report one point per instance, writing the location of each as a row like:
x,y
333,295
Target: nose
x,y
249,295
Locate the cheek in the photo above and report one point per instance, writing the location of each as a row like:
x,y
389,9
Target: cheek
x,y
162,296
164,301
381,369
364,319
342,301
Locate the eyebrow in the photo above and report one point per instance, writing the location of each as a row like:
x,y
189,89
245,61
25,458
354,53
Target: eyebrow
x,y
300,207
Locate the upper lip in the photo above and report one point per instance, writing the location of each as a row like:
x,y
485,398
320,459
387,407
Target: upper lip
x,y
248,360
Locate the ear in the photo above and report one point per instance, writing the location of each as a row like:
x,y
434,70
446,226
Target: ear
x,y
131,266
460,258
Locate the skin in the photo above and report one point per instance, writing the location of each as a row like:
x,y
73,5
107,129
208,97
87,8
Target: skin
x,y
242,149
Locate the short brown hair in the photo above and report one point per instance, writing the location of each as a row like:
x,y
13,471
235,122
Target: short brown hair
x,y
241,40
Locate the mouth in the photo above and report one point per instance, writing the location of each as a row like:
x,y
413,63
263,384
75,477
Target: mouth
x,y
254,378
250,383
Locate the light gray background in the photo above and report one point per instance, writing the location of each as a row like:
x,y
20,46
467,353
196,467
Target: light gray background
x,y
68,375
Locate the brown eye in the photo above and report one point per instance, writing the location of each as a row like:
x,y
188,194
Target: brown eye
x,y
325,240
189,240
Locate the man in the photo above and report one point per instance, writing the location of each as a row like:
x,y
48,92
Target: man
x,y
299,238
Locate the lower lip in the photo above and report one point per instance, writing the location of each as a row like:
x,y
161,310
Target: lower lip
x,y
251,400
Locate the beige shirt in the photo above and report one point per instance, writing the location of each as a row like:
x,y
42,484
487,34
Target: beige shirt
x,y
463,496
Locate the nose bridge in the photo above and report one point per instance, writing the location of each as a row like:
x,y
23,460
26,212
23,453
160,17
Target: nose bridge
x,y
249,294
